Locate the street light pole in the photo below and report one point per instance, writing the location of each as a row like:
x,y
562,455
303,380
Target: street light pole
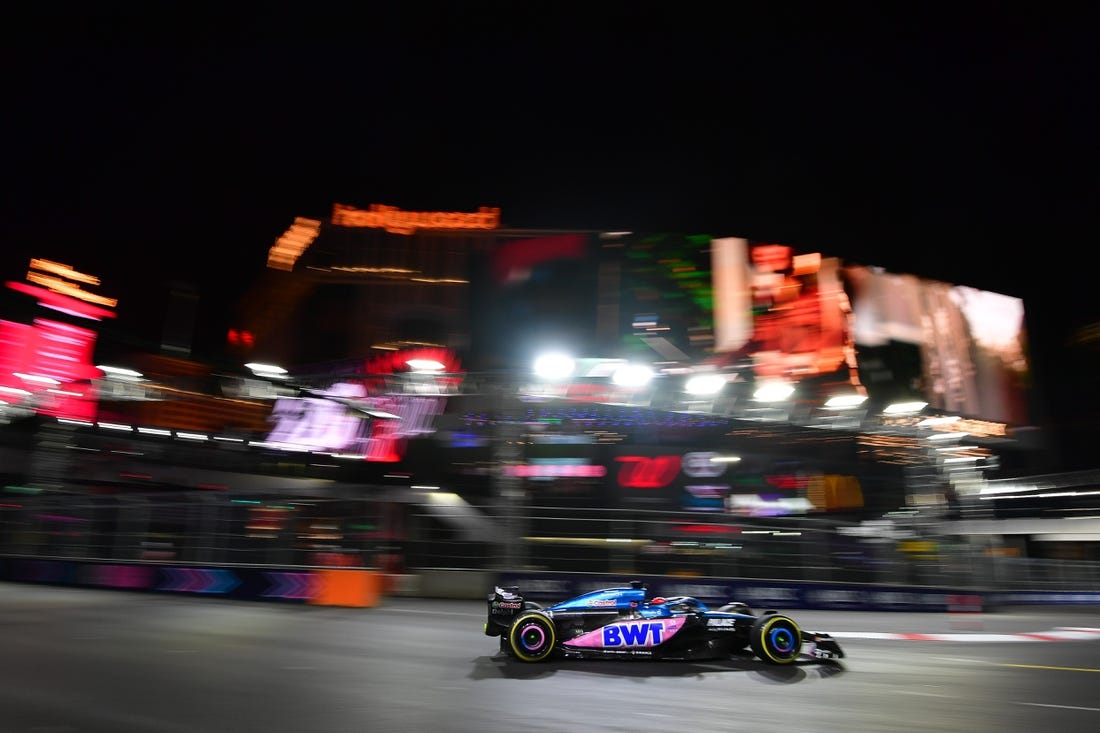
x,y
509,490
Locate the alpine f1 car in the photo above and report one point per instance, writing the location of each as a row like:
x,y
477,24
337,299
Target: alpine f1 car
x,y
618,623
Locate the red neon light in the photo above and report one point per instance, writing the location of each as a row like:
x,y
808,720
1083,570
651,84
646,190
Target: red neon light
x,y
786,481
62,302
236,337
707,529
647,472
394,362
56,350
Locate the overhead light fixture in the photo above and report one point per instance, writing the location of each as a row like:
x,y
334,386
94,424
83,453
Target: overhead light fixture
x,y
705,384
425,365
845,401
113,372
554,366
632,375
270,371
776,391
904,408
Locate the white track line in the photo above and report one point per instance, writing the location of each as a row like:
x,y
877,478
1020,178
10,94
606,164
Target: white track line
x,y
1062,633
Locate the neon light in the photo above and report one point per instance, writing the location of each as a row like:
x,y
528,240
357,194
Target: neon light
x,y
64,271
645,472
61,302
58,281
396,221
295,240
555,471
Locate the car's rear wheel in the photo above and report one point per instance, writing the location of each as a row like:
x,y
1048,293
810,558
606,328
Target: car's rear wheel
x,y
532,637
776,639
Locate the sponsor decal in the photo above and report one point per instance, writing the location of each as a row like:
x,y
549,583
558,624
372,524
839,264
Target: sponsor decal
x,y
602,603
630,634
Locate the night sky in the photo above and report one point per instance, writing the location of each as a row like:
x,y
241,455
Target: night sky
x,y
157,146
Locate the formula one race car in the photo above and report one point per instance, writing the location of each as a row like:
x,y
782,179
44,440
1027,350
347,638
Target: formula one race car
x,y
618,623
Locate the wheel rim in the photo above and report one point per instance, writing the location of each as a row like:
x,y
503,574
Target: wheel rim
x,y
532,637
782,640
779,640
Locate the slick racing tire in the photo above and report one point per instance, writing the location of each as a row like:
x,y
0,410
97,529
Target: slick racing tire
x,y
776,639
532,637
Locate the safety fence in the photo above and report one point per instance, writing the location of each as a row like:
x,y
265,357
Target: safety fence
x,y
214,540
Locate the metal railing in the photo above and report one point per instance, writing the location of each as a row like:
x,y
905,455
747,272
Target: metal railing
x,y
408,536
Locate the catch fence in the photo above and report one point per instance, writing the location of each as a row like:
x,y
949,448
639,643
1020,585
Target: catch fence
x,y
403,536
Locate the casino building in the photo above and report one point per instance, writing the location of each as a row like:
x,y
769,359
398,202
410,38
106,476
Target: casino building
x,y
366,282
407,338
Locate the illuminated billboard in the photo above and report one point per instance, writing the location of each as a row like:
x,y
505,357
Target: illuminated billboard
x,y
46,364
961,349
754,485
798,316
334,418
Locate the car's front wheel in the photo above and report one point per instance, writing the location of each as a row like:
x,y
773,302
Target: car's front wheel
x,y
776,639
532,637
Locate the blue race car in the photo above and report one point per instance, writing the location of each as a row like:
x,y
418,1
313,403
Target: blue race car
x,y
622,623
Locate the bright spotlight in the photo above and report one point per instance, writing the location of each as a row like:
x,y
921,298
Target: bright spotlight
x,y
904,408
773,391
844,401
270,371
705,384
554,366
120,372
425,365
632,375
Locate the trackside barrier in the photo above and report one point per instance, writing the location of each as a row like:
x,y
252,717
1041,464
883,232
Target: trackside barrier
x,y
542,586
756,593
359,588
365,588
350,588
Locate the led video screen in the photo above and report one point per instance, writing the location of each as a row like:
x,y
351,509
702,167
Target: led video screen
x,y
802,316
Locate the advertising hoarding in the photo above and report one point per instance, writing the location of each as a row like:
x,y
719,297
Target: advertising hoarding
x,y
784,314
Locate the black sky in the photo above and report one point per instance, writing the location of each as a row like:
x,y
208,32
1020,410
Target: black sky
x,y
175,143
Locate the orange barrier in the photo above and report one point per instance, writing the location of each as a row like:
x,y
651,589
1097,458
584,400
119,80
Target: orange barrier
x,y
353,588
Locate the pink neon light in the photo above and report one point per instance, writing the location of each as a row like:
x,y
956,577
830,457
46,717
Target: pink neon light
x,y
61,302
554,471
